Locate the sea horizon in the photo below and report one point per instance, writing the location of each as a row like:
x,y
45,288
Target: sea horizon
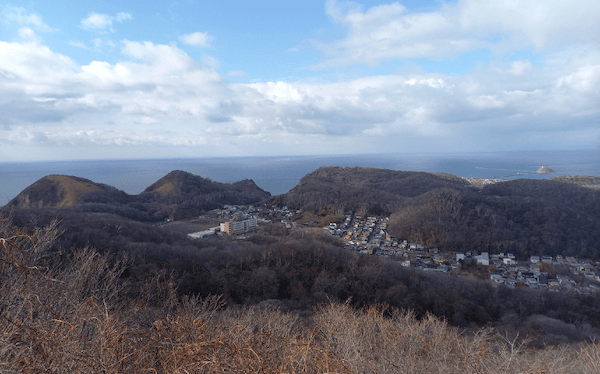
x,y
279,174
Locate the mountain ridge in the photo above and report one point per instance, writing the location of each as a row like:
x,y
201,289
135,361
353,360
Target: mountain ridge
x,y
178,194
58,191
560,215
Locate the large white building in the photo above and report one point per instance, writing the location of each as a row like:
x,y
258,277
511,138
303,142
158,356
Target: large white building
x,y
238,227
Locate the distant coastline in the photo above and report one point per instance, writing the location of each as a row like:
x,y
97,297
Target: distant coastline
x,y
279,174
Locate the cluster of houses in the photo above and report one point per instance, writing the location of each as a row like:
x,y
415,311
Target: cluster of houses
x,y
267,214
481,182
554,273
368,235
237,212
364,234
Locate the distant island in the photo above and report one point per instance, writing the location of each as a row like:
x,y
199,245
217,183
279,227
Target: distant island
x,y
544,170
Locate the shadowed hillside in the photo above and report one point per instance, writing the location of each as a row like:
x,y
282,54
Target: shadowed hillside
x,y
368,190
524,217
177,195
556,216
583,181
181,195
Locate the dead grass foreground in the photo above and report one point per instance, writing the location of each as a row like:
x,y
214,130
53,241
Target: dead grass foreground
x,y
79,318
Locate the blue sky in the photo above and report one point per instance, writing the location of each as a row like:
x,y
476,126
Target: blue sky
x,y
154,79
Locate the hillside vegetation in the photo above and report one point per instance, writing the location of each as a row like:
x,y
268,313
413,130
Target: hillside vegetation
x,y
62,191
182,195
365,190
76,312
177,195
303,269
286,301
556,216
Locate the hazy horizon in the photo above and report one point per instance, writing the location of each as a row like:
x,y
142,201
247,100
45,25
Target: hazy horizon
x,y
278,174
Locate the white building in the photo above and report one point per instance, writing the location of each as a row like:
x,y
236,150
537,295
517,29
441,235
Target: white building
x,y
483,259
238,227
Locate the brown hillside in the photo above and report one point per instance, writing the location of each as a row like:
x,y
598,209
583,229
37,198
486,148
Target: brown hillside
x,y
365,189
180,183
54,191
177,195
180,194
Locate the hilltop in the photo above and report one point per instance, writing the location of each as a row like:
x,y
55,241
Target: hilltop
x,y
182,186
63,191
182,195
177,195
180,183
365,189
583,181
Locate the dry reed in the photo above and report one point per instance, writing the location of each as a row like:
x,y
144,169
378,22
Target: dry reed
x,y
79,319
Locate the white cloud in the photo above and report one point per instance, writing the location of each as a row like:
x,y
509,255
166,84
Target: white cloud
x,y
519,68
27,33
392,32
20,16
157,95
211,62
120,17
103,22
198,39
585,80
97,21
102,45
77,44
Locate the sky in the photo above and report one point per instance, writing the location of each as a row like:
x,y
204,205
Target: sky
x,y
164,79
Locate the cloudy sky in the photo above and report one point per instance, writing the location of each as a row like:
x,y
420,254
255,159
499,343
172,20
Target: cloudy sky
x,y
186,78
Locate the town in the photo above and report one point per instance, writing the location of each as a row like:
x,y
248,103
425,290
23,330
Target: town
x,y
368,236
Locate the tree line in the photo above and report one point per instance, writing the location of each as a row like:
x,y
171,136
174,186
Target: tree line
x,y
306,268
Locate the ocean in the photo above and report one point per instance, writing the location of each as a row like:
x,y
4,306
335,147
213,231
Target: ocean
x,y
280,174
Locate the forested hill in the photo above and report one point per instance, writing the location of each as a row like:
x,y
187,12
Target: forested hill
x,y
182,194
182,186
364,189
556,216
177,195
65,191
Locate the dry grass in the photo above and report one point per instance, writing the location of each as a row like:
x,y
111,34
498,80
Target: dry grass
x,y
166,189
71,188
78,319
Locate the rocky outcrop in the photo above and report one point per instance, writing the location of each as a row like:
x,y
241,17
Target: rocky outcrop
x,y
544,170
